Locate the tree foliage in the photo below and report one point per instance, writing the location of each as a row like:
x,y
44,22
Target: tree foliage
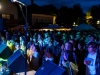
x,y
65,15
95,12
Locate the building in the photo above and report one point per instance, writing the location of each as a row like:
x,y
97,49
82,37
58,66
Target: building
x,y
8,10
41,18
8,14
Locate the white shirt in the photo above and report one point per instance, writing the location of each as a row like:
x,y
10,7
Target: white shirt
x,y
51,59
36,54
91,67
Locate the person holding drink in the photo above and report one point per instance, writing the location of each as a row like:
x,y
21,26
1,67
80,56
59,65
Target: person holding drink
x,y
91,60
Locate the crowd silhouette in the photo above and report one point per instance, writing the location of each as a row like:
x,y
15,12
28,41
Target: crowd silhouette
x,y
64,48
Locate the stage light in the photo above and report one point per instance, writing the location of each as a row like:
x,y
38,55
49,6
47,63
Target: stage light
x,y
18,2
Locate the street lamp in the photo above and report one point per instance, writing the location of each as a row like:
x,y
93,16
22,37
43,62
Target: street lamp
x,y
0,6
98,22
74,24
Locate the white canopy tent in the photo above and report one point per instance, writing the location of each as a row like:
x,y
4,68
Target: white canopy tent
x,y
83,27
52,27
19,27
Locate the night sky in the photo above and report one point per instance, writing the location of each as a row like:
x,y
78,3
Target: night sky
x,y
85,4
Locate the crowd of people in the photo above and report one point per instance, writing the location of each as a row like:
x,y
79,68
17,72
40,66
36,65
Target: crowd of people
x,y
64,48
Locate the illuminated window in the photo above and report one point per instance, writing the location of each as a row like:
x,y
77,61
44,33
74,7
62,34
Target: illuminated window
x,y
8,16
0,6
3,16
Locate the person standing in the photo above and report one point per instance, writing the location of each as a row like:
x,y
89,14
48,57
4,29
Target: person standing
x,y
92,59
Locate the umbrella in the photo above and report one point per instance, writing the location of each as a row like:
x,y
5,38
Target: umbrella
x,y
83,27
53,26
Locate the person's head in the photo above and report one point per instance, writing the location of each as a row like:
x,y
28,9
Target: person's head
x,y
80,45
92,47
35,40
46,35
23,43
39,36
17,46
31,45
7,33
78,36
21,38
91,38
62,46
48,53
58,32
50,39
31,39
72,41
68,46
36,48
71,36
2,38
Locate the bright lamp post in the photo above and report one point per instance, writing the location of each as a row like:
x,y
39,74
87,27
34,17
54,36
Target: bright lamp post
x,y
1,4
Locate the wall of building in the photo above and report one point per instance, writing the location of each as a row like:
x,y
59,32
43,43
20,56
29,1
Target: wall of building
x,y
42,18
7,7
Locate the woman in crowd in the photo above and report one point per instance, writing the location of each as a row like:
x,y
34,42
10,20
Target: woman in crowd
x,y
48,55
80,58
34,57
23,46
67,57
17,46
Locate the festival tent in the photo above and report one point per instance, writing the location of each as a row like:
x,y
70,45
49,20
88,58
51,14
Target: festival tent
x,y
83,27
52,26
19,27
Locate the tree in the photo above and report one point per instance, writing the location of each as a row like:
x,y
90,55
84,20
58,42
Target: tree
x,y
49,9
67,15
63,17
95,13
33,9
78,14
32,2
